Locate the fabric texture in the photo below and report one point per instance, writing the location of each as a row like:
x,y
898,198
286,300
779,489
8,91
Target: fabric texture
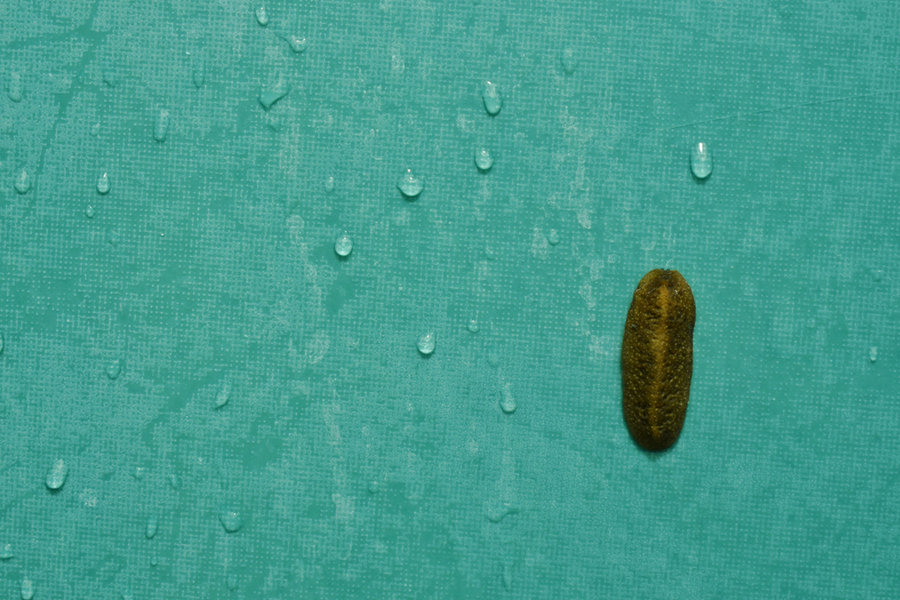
x,y
241,413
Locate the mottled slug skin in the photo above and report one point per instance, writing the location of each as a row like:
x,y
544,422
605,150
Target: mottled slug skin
x,y
657,358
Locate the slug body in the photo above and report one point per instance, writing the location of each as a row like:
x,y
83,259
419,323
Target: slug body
x,y
657,358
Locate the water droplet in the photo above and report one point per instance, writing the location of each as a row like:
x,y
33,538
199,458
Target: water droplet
x,y
873,354
329,185
23,182
16,89
138,473
491,98
483,159
507,577
553,237
174,482
507,402
27,590
161,127
426,343
498,511
568,61
701,161
154,560
89,211
410,185
373,486
1,343
343,245
6,552
298,44
114,368
268,97
57,475
152,527
472,326
95,129
223,395
103,183
231,520
198,69
262,17
231,581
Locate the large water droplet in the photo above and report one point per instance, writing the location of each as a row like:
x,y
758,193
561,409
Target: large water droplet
x,y
343,246
27,589
410,185
57,475
483,159
152,527
161,127
16,89
23,182
507,401
231,520
701,161
114,369
262,17
223,395
491,98
298,44
103,183
426,343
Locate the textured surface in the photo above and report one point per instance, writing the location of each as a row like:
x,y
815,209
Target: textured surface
x,y
657,358
360,468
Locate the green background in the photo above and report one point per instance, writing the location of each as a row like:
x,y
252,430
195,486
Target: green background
x,y
357,467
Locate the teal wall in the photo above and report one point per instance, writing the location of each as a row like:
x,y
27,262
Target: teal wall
x,y
345,464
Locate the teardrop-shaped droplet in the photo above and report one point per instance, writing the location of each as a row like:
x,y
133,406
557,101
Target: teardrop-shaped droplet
x,y
89,211
262,16
1,343
410,185
553,237
873,354
16,89
483,159
298,44
329,184
223,395
161,127
491,98
231,520
507,401
27,589
6,552
568,61
426,343
701,161
57,475
152,527
103,183
114,369
343,246
23,182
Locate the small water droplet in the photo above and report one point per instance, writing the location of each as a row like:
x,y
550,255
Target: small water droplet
x,y
16,89
138,473
499,510
231,520
329,185
161,127
114,368
873,354
1,343
95,129
6,552
373,486
491,98
103,183
426,343
113,236
57,475
152,527
23,182
174,481
507,402
231,581
472,326
154,561
410,185
483,159
262,17
298,44
568,61
701,161
553,237
89,211
27,590
223,395
343,245
507,577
